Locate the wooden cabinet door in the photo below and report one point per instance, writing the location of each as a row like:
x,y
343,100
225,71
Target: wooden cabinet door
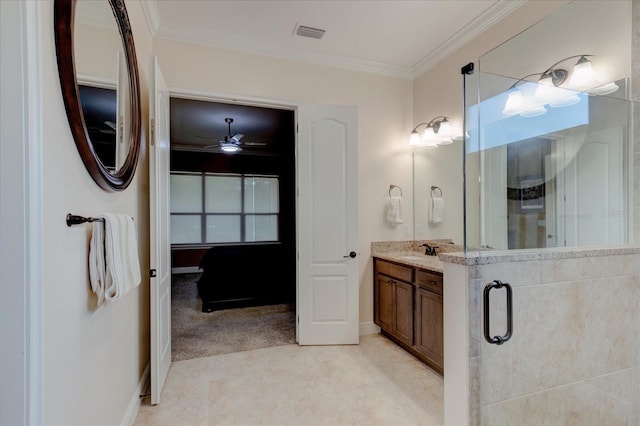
x,y
429,325
403,312
384,302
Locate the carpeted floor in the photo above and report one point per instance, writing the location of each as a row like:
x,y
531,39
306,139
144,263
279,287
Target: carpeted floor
x,y
195,334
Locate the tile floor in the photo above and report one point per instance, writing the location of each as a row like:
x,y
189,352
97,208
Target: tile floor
x,y
374,383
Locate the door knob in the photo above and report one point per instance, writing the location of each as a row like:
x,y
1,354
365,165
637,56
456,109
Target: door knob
x,y
351,255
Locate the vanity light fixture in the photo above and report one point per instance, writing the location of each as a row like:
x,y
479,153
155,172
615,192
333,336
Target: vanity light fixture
x,y
437,132
528,99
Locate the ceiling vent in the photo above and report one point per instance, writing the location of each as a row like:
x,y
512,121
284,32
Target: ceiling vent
x,y
303,31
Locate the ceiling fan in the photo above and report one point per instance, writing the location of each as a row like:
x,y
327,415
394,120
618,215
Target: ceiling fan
x,y
231,143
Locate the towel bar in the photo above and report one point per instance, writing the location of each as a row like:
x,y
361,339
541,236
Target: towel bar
x,y
73,219
394,186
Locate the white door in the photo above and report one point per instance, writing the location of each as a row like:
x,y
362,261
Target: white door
x,y
122,110
493,198
328,311
594,188
550,202
160,256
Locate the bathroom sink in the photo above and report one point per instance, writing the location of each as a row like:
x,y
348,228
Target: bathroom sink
x,y
412,257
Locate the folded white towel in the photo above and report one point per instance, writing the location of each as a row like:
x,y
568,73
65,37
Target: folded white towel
x,y
114,267
394,212
436,210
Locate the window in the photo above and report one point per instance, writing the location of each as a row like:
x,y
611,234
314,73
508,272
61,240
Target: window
x,y
223,208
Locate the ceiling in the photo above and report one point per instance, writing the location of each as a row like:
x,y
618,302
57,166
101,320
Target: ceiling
x,y
400,38
199,126
397,38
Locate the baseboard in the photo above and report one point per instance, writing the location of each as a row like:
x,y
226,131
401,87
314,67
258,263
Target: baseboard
x,y
134,404
185,270
368,327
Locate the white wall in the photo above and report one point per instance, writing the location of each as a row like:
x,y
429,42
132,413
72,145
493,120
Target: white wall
x,y
439,92
384,115
93,357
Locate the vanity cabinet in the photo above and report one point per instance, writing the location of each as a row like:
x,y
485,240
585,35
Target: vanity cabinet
x,y
394,293
408,309
428,319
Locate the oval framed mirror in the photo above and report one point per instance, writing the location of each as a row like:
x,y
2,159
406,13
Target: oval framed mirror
x,y
110,160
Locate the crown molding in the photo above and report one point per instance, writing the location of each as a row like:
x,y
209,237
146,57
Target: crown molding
x,y
211,38
151,15
470,31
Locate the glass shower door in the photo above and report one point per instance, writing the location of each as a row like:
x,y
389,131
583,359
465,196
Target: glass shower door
x,y
554,310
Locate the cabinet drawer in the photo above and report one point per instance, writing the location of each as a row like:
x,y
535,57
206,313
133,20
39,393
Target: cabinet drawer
x,y
429,280
396,271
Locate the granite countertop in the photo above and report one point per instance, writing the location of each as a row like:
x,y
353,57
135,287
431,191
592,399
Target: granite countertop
x,y
483,257
412,258
410,253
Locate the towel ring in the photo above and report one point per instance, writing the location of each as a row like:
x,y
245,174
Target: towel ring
x,y
436,188
391,187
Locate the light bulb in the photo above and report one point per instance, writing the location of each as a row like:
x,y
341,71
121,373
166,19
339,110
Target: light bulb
x,y
546,91
444,131
414,139
428,136
515,102
583,75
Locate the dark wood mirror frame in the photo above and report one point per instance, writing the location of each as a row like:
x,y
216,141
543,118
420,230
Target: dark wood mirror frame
x,y
64,12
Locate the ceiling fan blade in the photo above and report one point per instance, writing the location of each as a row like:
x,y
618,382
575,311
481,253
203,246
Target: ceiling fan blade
x,y
255,143
237,137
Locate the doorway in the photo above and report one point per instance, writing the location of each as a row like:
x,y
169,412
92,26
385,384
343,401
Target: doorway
x,y
528,192
233,227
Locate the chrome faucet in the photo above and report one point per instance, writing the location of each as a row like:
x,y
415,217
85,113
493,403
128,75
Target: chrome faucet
x,y
429,251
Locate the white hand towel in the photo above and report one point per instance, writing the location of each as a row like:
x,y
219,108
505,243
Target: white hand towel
x,y
394,212
436,210
114,267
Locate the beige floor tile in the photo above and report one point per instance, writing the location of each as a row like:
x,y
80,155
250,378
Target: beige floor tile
x,y
374,383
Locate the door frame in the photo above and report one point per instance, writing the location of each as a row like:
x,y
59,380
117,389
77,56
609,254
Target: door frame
x,y
228,98
21,316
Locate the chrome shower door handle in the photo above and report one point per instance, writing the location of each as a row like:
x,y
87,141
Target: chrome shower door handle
x,y
497,340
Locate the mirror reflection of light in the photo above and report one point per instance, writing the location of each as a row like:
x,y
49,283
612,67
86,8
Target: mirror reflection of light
x,y
489,127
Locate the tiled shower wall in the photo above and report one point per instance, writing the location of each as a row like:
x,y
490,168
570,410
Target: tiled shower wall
x,y
574,358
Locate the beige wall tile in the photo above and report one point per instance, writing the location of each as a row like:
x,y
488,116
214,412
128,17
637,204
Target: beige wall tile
x,y
549,340
562,270
586,404
516,273
544,408
576,337
587,268
495,372
623,388
613,340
